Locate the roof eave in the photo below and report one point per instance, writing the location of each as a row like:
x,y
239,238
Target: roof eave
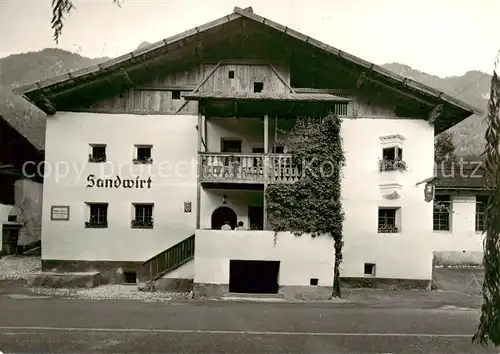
x,y
115,63
408,83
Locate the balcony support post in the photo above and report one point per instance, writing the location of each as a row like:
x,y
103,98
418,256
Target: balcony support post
x,y
266,165
199,169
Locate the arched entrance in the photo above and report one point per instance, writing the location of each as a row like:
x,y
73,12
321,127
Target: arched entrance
x,y
221,215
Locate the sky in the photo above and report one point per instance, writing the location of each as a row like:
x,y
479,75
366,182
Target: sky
x,y
440,37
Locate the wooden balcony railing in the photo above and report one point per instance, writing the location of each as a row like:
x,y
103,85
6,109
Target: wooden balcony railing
x,y
247,168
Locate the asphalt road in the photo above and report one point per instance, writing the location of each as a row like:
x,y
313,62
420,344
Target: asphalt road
x,y
57,325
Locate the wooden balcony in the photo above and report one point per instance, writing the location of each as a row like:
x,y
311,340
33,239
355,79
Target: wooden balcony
x,y
247,168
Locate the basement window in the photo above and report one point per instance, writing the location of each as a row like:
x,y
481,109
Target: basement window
x,y
258,87
231,74
313,281
370,269
129,277
176,95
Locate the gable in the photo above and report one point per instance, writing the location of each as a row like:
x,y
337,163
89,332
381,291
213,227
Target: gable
x,y
244,35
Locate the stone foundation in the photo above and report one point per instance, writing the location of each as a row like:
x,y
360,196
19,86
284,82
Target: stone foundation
x,y
386,283
320,292
110,272
64,280
174,285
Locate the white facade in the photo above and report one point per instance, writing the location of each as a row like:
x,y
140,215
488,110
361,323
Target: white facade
x,y
462,243
173,182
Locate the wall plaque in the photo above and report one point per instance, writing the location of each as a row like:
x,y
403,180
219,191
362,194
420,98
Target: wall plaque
x,y
59,212
187,207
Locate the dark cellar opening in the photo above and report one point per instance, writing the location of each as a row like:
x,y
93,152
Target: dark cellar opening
x,y
253,277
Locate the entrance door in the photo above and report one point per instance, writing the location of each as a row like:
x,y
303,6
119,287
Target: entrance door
x,y
10,237
221,215
253,277
256,217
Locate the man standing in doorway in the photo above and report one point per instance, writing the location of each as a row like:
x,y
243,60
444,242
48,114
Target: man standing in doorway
x,y
226,226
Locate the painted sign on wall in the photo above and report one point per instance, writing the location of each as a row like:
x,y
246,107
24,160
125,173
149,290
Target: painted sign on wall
x,y
117,182
59,212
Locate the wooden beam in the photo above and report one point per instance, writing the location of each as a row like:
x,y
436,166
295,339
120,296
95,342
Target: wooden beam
x,y
166,88
200,85
435,113
205,130
48,104
281,78
126,77
266,166
198,189
401,92
331,91
361,78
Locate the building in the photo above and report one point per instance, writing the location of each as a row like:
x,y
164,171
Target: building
x,y
20,190
147,140
459,215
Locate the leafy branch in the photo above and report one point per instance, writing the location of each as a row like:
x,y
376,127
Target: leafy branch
x,y
312,205
489,328
60,8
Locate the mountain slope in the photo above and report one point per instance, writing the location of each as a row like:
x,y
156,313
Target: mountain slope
x,y
19,69
15,70
474,88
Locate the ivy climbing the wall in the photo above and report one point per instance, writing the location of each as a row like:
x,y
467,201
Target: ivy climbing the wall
x,y
312,205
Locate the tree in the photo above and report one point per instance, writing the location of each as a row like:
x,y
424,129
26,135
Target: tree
x,y
444,149
60,8
313,204
489,327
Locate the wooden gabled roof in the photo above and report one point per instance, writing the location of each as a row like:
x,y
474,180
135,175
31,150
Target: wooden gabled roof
x,y
39,93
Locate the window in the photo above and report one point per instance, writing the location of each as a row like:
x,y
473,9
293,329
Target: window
x,y
340,109
130,277
481,207
230,145
313,281
97,153
176,95
143,216
98,215
143,154
387,222
442,213
231,74
278,149
369,269
258,87
392,159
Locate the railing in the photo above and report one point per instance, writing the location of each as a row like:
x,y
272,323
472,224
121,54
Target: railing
x,y
169,260
247,168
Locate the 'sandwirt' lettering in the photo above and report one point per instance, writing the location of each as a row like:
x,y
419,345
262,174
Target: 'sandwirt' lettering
x,y
117,182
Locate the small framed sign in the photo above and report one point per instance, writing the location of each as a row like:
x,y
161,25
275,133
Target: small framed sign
x,y
187,207
59,212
